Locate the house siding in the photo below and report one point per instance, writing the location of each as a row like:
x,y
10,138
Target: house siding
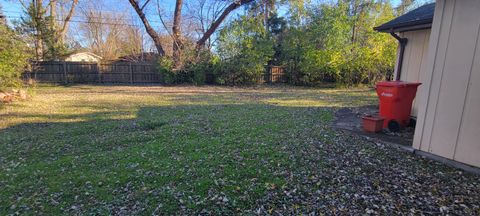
x,y
448,122
414,59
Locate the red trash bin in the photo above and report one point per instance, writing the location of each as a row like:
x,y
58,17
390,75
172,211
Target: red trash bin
x,y
396,99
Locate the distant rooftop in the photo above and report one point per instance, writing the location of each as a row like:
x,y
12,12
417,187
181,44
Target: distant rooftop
x,y
420,18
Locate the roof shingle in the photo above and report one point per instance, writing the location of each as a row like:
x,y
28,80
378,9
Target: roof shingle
x,y
420,16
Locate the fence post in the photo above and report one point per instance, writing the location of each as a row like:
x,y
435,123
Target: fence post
x,y
131,72
272,74
269,74
65,72
36,69
99,73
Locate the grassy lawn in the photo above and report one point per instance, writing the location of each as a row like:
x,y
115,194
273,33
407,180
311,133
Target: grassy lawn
x,y
214,150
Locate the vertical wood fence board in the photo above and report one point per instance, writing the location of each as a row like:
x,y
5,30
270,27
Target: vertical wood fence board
x,y
87,72
118,72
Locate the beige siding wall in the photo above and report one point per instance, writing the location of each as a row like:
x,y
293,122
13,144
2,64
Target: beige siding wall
x,y
449,116
415,59
82,57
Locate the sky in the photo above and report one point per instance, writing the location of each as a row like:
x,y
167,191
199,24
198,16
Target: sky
x,y
13,9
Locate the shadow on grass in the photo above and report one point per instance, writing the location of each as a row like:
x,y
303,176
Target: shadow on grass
x,y
214,159
193,157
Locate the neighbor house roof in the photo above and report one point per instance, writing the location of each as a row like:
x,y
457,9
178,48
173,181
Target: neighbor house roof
x,y
140,57
420,18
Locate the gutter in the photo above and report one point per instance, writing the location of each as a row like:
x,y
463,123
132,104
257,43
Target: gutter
x,y
405,25
403,43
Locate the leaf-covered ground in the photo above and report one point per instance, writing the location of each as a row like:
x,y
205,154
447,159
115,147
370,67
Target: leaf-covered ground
x,y
210,150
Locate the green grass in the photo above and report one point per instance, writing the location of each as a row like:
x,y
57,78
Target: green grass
x,y
143,150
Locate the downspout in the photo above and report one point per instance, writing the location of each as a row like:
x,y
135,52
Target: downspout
x,y
403,43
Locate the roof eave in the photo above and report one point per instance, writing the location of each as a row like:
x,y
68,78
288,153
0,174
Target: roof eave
x,y
412,26
406,28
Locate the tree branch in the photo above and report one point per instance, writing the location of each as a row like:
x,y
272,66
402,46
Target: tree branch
x,y
219,20
63,31
153,34
145,4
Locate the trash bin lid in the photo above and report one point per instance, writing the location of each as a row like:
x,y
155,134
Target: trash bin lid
x,y
397,84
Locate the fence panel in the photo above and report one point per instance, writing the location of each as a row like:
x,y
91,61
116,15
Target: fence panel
x,y
145,73
52,72
118,72
88,72
115,73
80,72
275,74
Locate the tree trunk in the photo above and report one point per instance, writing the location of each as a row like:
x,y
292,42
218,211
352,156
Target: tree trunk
x,y
53,15
39,47
266,15
153,34
176,30
355,8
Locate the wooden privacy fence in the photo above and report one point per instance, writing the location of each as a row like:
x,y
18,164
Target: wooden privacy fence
x,y
88,72
275,74
118,72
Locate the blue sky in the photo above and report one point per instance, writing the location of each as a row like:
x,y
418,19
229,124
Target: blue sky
x,y
13,9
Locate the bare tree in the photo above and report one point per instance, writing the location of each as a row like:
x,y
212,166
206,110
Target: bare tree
x,y
153,34
404,6
109,34
203,14
59,24
66,20
176,30
236,4
133,42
